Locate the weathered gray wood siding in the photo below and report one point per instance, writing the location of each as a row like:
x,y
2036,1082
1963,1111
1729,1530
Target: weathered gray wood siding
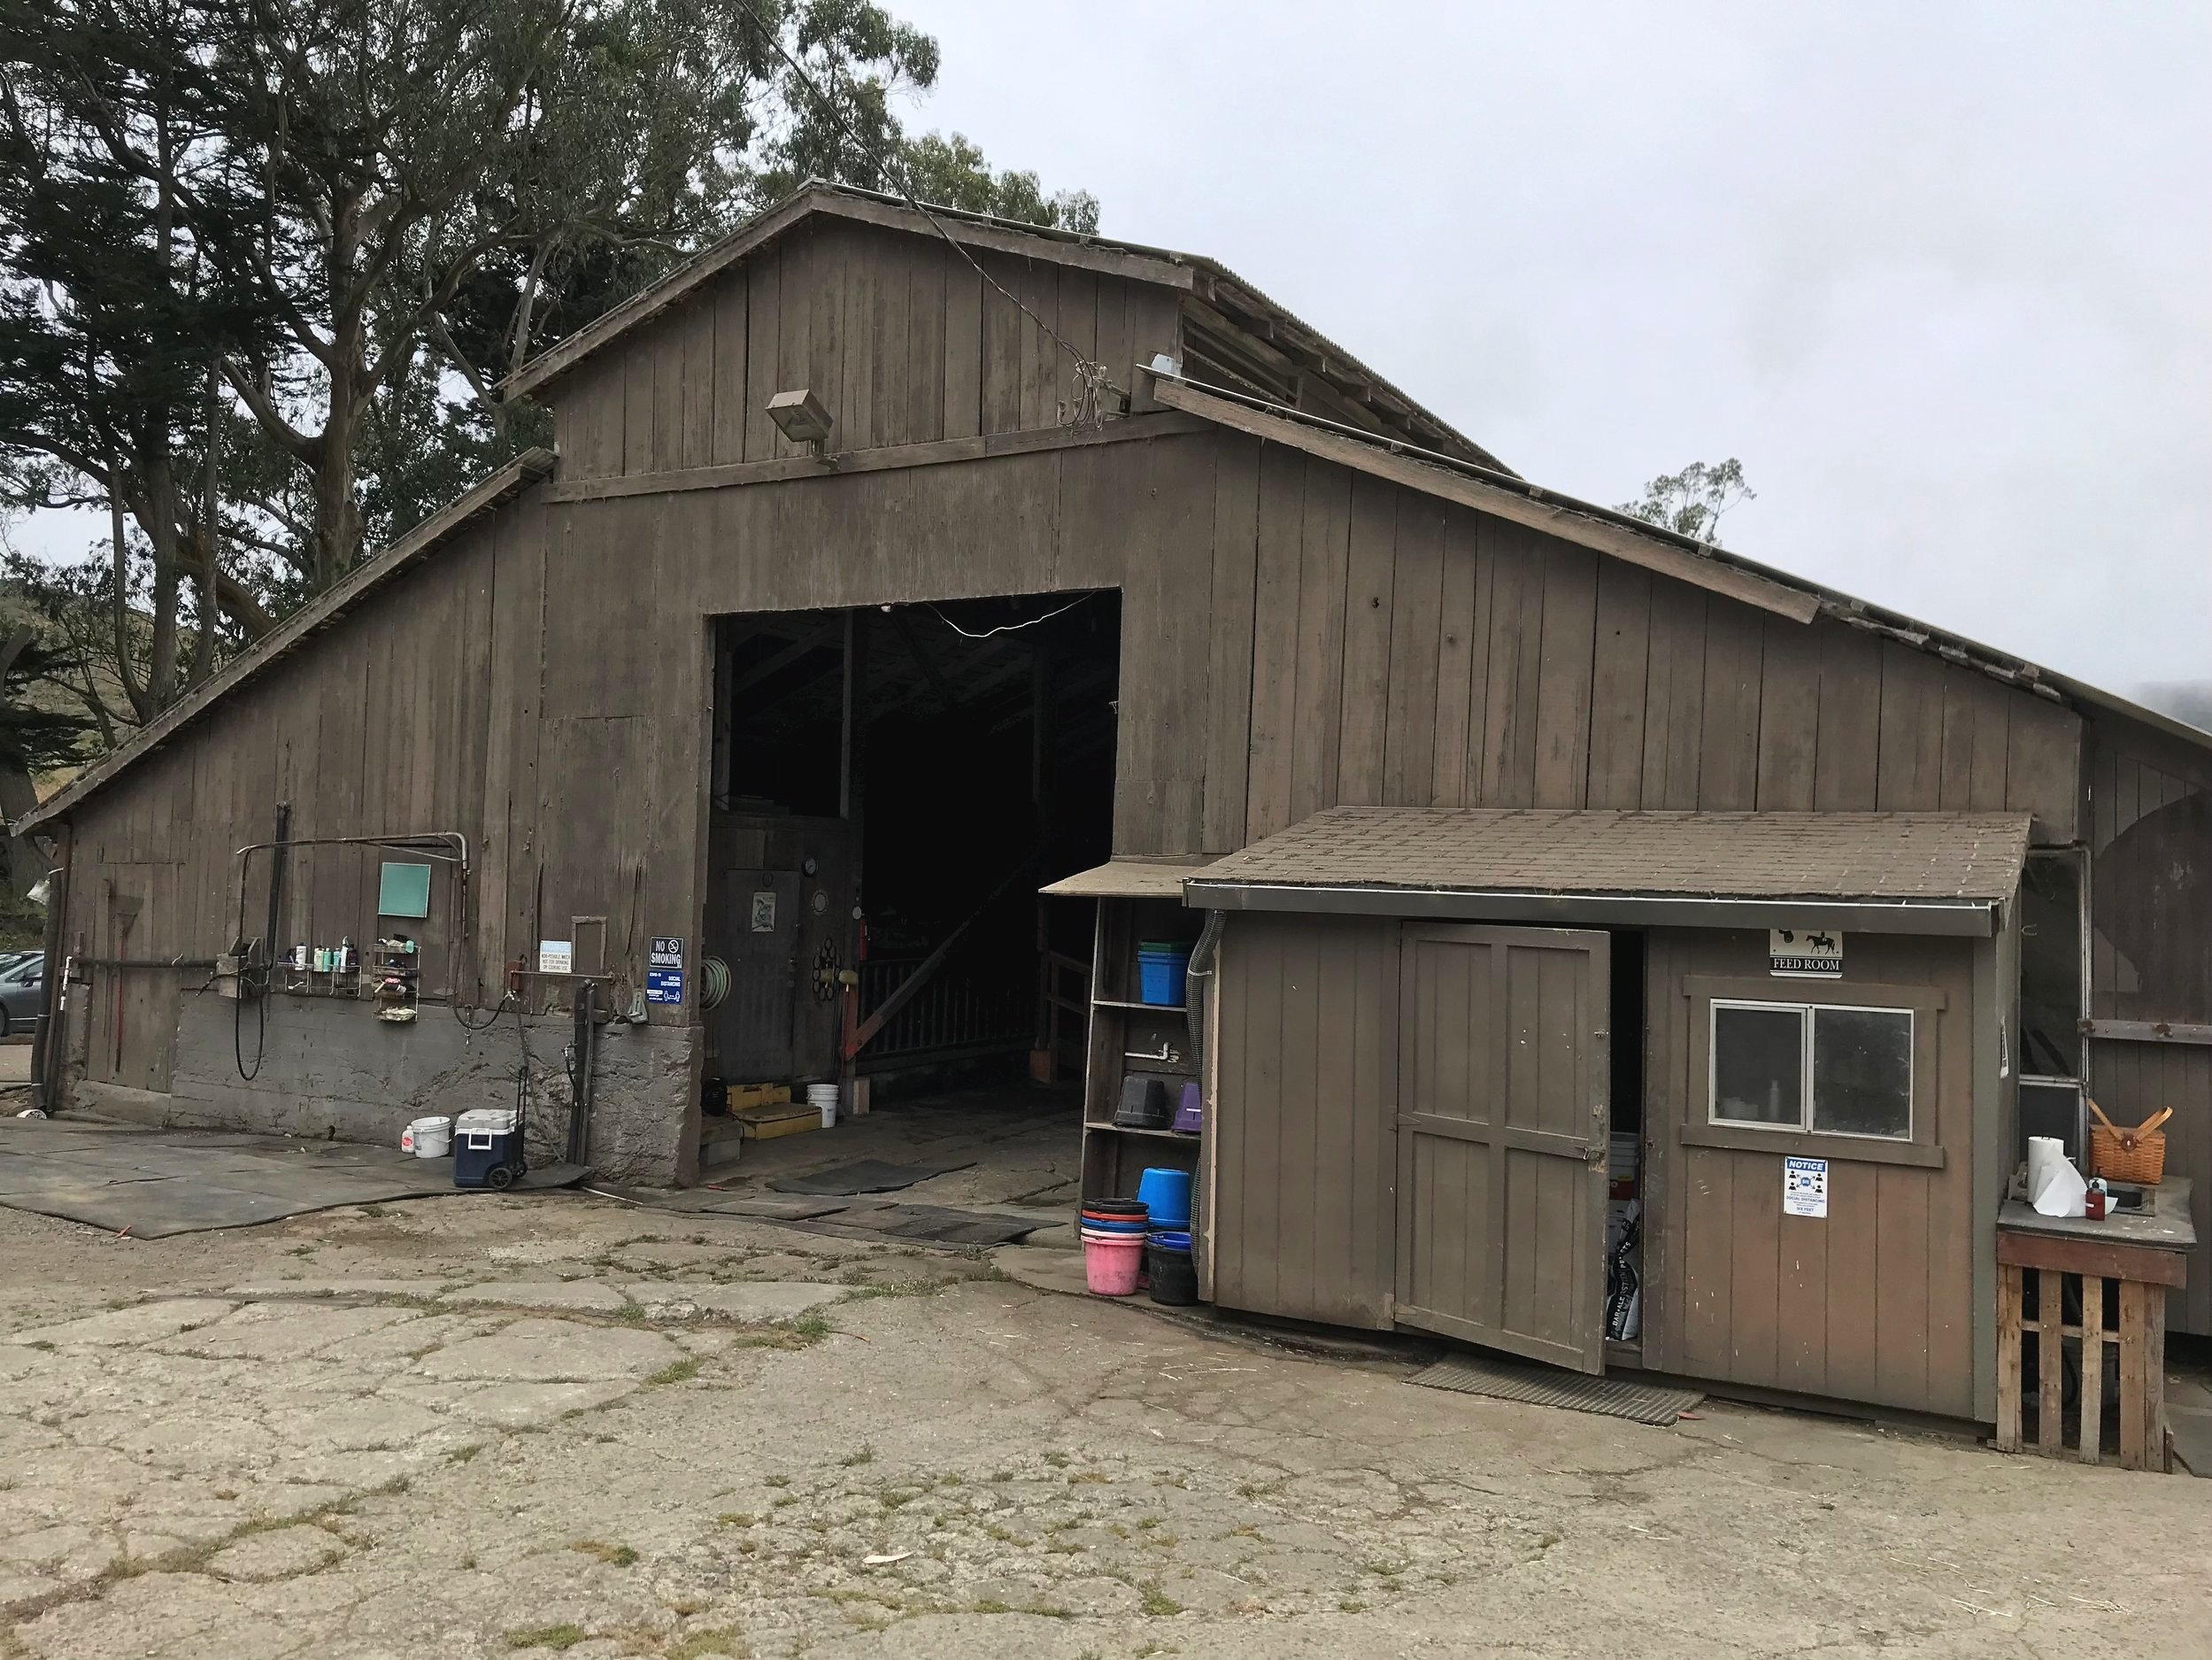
x,y
1375,645
2150,839
897,334
1305,1128
1875,1303
1293,636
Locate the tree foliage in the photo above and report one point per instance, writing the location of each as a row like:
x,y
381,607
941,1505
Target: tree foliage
x,y
264,262
1692,502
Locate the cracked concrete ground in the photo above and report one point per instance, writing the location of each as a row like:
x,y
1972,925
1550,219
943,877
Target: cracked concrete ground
x,y
518,1427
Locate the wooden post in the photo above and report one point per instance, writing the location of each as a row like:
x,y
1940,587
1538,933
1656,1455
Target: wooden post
x,y
2050,1353
2092,1368
851,805
2133,1310
2009,1278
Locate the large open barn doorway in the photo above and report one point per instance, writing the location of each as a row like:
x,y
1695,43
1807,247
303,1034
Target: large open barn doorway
x,y
890,786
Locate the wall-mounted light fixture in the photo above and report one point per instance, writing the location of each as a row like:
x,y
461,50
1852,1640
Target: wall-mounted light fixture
x,y
801,417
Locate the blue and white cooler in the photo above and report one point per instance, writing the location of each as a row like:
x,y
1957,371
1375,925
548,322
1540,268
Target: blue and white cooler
x,y
488,1148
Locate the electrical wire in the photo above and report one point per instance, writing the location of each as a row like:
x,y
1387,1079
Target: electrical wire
x,y
1008,628
1091,378
238,1028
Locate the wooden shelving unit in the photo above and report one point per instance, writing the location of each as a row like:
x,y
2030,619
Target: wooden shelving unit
x,y
1128,1035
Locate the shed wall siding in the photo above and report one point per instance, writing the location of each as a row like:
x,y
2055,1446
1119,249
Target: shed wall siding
x,y
898,335
1874,1303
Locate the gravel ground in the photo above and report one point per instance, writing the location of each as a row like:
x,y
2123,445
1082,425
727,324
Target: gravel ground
x,y
479,1426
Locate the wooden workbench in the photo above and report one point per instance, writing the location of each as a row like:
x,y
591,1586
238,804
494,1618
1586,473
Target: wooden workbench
x,y
2146,1252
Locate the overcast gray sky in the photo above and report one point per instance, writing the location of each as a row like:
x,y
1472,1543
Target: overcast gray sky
x,y
1941,275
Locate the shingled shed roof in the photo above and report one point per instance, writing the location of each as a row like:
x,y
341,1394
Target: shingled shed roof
x,y
1391,859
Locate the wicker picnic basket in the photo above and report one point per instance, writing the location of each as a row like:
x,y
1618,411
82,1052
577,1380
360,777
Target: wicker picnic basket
x,y
2129,1155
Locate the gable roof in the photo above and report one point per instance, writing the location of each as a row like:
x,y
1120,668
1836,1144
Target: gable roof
x,y
1231,307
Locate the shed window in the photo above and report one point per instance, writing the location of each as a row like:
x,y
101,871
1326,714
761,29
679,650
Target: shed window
x,y
1833,1070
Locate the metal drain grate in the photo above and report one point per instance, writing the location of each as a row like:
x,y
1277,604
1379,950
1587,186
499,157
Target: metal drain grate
x,y
1545,1386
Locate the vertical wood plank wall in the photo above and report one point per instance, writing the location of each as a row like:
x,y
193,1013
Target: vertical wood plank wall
x,y
1304,1126
1876,1303
897,334
1292,637
1404,652
2150,839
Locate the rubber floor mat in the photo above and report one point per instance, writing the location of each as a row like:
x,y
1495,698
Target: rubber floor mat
x,y
937,1224
151,1183
1548,1386
864,1176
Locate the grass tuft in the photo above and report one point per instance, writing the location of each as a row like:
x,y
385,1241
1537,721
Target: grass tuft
x,y
554,1637
613,1555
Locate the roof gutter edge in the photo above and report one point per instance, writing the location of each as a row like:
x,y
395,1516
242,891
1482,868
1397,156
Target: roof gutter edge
x,y
1971,919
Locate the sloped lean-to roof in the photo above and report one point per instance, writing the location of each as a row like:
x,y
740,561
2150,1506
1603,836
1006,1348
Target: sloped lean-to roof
x,y
1916,872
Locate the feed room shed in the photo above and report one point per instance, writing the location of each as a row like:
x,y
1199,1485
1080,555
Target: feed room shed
x,y
1440,771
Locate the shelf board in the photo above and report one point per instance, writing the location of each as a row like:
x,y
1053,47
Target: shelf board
x,y
1141,1008
1157,1135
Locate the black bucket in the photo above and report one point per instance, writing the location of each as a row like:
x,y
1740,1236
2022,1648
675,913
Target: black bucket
x,y
1174,1276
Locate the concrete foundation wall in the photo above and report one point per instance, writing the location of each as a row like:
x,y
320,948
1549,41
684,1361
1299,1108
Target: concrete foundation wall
x,y
330,1068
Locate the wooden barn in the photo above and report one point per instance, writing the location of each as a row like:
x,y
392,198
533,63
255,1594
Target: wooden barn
x,y
1531,856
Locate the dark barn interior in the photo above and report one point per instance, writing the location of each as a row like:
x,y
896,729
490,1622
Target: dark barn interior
x,y
904,778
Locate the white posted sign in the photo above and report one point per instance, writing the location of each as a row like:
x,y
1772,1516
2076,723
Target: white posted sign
x,y
1806,953
1805,1187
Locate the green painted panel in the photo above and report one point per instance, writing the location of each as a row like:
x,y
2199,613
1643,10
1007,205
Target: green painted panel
x,y
404,890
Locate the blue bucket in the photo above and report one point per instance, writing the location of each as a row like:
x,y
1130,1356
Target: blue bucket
x,y
1167,1196
1172,1241
1161,966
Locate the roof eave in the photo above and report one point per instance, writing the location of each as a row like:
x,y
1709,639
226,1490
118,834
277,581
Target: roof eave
x,y
1959,918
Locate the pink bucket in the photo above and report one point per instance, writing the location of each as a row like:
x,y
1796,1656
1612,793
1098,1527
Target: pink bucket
x,y
1110,1263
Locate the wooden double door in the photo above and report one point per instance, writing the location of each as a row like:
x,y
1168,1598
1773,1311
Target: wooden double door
x,y
1503,1122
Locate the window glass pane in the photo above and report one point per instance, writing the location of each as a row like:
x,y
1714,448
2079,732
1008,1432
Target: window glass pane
x,y
1758,1065
1863,1071
2050,966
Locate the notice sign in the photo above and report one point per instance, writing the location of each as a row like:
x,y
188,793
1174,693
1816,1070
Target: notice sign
x,y
664,970
1815,953
1805,1187
556,956
763,911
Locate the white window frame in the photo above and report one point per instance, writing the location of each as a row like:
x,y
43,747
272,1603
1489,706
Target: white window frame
x,y
1808,1015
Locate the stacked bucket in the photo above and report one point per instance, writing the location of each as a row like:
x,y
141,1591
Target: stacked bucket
x,y
1129,1243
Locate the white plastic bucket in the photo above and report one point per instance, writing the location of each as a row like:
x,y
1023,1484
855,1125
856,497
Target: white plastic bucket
x,y
428,1137
823,1099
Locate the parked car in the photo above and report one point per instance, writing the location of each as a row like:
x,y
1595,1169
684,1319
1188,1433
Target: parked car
x,y
22,994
